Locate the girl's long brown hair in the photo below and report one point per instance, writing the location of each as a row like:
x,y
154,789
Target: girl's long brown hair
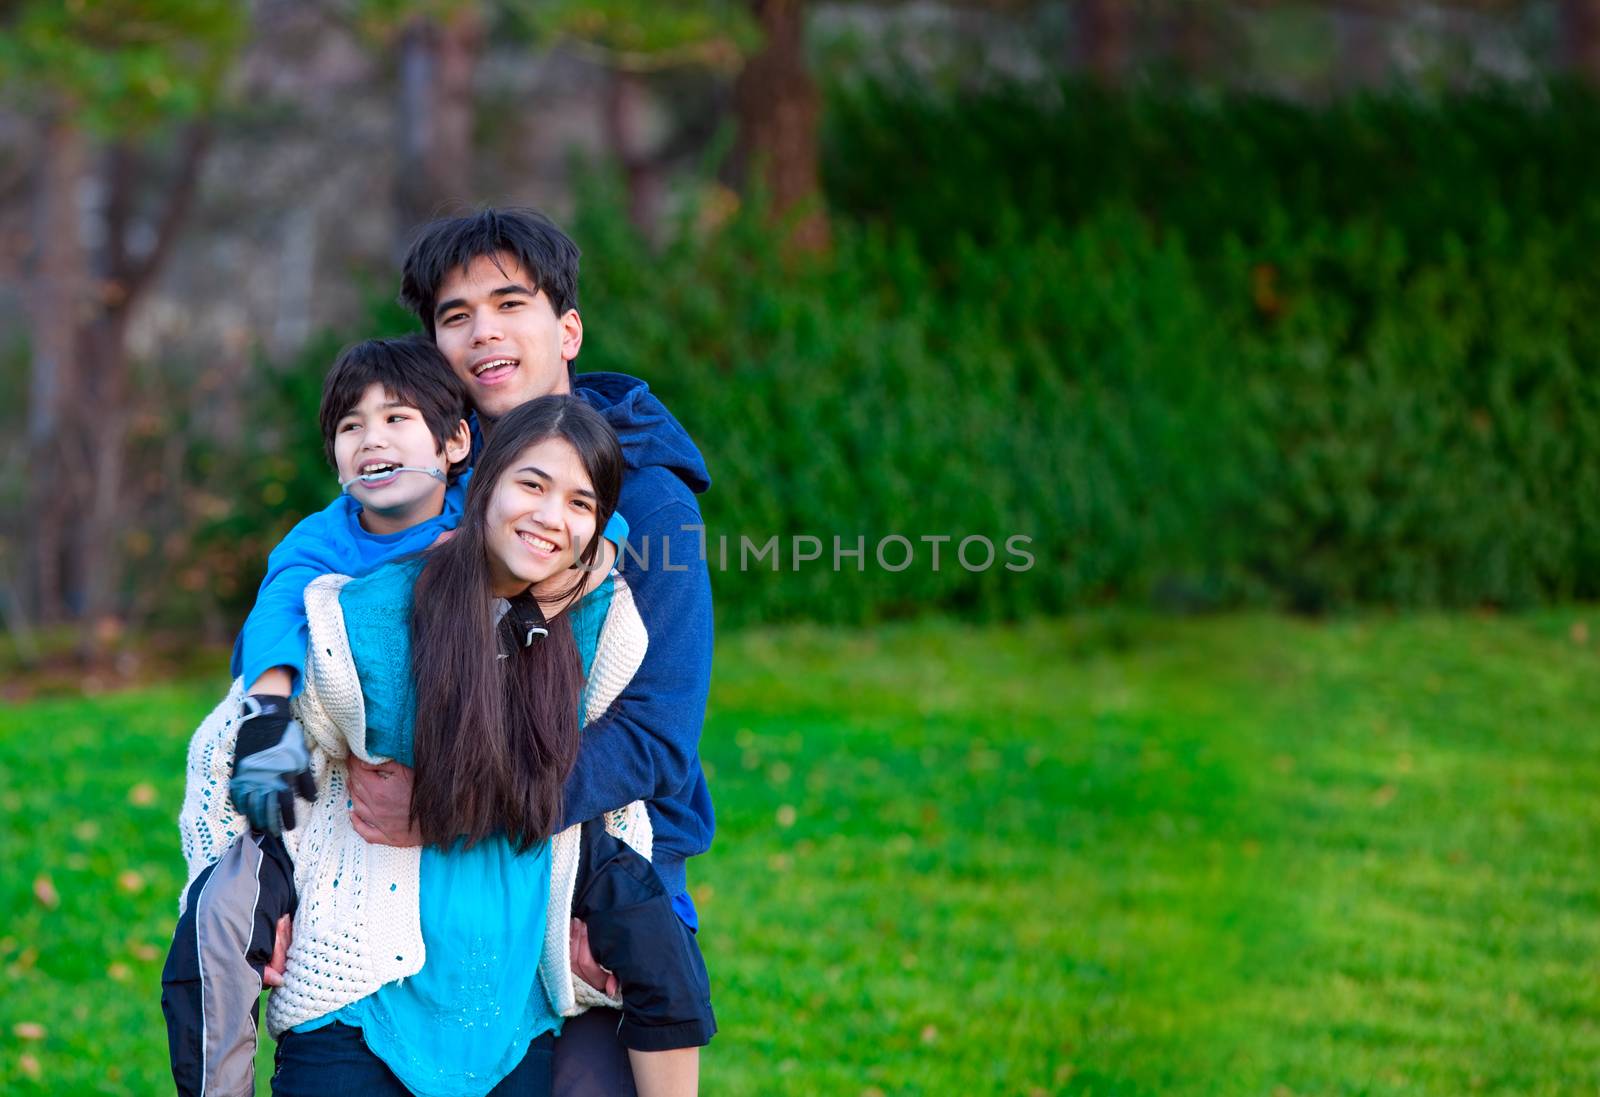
x,y
496,738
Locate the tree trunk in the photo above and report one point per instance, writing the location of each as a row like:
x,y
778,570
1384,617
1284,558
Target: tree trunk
x,y
1103,39
1580,32
59,295
102,434
625,123
434,171
1363,46
778,111
1192,33
98,558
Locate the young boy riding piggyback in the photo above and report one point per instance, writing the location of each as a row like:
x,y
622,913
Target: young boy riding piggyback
x,y
395,418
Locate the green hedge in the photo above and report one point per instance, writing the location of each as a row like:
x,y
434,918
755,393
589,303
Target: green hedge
x,y
942,166
1291,391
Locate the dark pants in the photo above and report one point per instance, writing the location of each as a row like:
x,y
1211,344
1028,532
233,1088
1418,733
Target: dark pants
x,y
634,932
334,1061
589,1060
211,985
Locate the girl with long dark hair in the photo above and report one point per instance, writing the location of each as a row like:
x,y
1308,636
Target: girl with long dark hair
x,y
419,969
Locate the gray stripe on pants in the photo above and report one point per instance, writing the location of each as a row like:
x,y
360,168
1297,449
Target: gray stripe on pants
x,y
229,988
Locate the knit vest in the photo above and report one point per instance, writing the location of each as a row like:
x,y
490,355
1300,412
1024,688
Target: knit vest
x,y
357,926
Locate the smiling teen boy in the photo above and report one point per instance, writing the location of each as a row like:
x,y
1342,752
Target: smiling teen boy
x,y
498,292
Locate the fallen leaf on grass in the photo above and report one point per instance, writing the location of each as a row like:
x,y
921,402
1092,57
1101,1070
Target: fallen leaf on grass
x,y
930,1035
87,831
46,893
142,795
28,1030
145,951
1383,795
130,881
119,971
29,1066
786,815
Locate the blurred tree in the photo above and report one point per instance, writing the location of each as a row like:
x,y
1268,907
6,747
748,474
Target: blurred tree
x,y
1191,33
107,83
633,40
778,109
1360,27
1103,36
1580,23
438,44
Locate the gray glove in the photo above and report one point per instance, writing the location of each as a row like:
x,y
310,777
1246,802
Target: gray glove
x,y
270,764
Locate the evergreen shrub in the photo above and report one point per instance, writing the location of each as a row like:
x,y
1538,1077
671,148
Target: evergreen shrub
x,y
1200,354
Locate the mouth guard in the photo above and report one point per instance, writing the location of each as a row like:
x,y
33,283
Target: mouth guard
x,y
369,477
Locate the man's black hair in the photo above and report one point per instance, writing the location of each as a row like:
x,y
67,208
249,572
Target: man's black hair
x,y
412,372
545,253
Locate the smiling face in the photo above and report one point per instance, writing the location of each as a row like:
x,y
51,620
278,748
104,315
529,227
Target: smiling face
x,y
542,515
372,441
502,336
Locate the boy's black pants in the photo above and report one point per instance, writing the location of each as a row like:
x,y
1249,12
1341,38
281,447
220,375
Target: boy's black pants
x,y
211,985
634,932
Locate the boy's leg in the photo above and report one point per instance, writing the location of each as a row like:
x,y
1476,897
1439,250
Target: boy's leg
x,y
589,1059
634,932
211,984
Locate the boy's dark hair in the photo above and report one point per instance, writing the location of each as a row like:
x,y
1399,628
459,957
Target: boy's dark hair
x,y
412,371
546,253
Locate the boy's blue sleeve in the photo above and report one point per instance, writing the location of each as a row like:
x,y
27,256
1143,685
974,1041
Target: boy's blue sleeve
x,y
276,632
616,530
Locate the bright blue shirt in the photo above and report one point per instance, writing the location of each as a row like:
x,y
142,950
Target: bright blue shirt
x,y
333,541
463,1022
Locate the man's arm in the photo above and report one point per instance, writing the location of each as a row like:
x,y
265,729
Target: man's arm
x,y
648,742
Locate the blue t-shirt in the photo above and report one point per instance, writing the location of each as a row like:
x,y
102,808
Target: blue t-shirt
x,y
463,1022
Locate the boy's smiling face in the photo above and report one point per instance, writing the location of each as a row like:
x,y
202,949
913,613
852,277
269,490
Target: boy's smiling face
x,y
502,336
375,439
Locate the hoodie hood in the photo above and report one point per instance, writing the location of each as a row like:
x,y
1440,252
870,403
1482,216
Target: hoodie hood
x,y
650,435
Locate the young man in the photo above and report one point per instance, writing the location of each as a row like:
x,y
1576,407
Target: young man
x,y
498,292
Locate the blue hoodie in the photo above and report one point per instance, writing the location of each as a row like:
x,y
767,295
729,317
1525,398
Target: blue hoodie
x,y
647,746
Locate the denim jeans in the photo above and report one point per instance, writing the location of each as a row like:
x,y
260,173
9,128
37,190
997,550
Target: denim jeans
x,y
334,1061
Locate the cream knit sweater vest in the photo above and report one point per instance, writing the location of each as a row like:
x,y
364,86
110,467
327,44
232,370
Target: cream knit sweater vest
x,y
357,927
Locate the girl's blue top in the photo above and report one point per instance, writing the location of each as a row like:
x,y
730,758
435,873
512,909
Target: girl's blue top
x,y
464,1022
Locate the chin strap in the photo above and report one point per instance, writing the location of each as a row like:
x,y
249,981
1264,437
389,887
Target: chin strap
x,y
368,477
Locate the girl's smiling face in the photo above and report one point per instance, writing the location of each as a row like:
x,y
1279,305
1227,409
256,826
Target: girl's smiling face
x,y
541,516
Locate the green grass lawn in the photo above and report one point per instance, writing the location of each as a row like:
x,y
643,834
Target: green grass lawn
x,y
1114,855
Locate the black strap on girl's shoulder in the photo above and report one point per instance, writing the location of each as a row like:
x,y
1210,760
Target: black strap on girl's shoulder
x,y
523,623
